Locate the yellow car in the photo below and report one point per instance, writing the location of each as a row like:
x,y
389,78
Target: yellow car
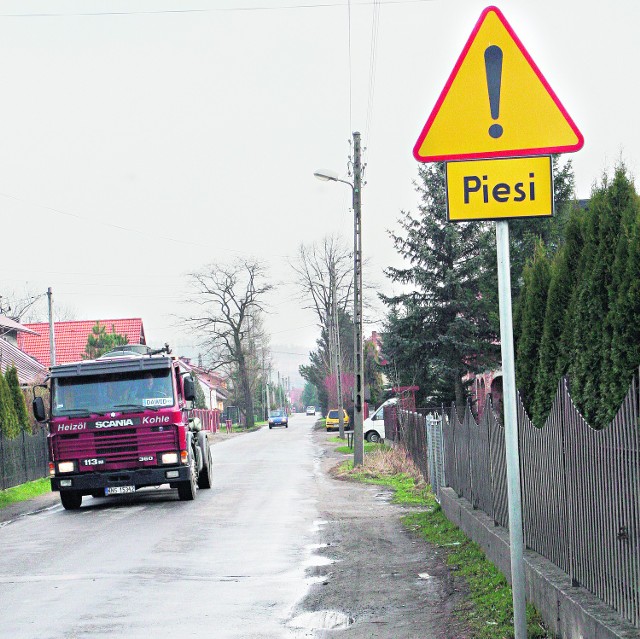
x,y
333,421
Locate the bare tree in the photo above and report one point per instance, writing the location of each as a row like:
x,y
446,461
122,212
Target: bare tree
x,y
313,267
230,300
16,305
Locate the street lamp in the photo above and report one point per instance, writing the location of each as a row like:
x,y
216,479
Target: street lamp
x,y
356,188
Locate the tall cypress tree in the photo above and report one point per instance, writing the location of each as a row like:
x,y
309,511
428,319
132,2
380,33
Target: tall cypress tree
x,y
586,309
564,275
8,417
444,321
536,275
19,402
621,355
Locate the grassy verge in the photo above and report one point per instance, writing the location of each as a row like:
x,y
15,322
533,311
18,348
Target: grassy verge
x,y
24,491
368,447
489,610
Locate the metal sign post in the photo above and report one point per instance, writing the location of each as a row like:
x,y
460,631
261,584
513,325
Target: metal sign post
x,y
516,543
482,115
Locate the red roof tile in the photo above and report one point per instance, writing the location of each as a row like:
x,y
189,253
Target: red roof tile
x,y
71,338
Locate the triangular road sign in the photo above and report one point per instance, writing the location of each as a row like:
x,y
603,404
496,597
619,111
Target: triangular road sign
x,y
496,103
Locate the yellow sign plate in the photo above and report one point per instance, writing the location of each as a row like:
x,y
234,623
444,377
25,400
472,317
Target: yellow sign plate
x,y
499,189
496,103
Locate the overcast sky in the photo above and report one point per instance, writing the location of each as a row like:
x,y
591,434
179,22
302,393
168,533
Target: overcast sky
x,y
145,142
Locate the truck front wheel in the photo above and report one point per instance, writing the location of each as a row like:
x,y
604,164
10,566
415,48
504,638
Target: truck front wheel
x,y
187,490
71,499
205,479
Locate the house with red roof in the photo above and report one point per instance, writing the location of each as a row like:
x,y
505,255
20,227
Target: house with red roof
x,y
71,338
213,384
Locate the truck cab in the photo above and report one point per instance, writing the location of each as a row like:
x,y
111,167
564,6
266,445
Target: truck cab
x,y
120,423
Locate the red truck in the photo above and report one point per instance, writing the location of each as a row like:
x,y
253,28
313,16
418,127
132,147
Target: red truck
x,y
122,422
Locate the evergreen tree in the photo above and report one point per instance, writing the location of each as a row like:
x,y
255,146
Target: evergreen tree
x,y
9,422
444,321
201,400
524,234
309,395
564,276
622,331
17,395
536,276
316,371
100,342
591,340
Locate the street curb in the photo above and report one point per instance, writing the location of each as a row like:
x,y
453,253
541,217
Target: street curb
x,y
28,507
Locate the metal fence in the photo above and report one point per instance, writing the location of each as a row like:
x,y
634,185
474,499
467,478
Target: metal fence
x,y
580,486
23,458
422,437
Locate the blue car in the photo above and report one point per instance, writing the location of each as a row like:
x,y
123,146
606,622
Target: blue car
x,y
278,418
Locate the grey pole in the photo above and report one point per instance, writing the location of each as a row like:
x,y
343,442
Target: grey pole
x,y
516,542
358,420
336,325
52,337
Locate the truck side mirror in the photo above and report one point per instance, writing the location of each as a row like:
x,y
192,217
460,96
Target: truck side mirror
x,y
189,389
39,410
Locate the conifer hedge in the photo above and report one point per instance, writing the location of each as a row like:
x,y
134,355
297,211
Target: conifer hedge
x,y
579,313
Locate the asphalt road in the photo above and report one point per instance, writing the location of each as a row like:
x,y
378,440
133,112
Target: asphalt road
x,y
278,548
231,564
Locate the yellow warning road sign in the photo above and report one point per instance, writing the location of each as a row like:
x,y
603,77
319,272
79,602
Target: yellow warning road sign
x,y
499,189
496,103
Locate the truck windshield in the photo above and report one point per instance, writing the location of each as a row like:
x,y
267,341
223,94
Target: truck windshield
x,y
115,392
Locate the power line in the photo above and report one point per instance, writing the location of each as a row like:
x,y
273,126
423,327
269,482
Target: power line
x,y
350,72
375,27
101,222
319,5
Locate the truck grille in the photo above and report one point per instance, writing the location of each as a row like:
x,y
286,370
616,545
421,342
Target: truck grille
x,y
118,447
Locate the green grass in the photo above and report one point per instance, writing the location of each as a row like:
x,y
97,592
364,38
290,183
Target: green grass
x,y
24,491
368,447
405,490
489,612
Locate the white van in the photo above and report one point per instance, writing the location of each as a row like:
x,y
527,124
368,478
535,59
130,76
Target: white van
x,y
374,425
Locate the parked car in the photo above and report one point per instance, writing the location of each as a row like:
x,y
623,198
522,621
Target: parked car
x,y
278,418
374,426
311,410
333,420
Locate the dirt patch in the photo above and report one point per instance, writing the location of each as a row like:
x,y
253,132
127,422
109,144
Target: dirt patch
x,y
387,582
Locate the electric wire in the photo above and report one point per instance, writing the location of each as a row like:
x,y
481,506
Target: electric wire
x,y
373,56
350,67
291,7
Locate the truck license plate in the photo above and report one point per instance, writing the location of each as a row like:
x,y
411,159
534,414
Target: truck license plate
x,y
119,490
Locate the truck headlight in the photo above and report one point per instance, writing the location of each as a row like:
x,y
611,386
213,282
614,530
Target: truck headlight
x,y
169,458
66,467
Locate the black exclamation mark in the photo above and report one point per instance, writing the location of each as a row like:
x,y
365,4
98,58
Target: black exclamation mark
x,y
493,67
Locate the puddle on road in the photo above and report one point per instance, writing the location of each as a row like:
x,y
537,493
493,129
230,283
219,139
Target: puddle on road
x,y
321,620
317,525
318,560
424,575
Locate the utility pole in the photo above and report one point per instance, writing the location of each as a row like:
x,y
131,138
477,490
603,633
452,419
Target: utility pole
x,y
52,337
336,325
358,391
